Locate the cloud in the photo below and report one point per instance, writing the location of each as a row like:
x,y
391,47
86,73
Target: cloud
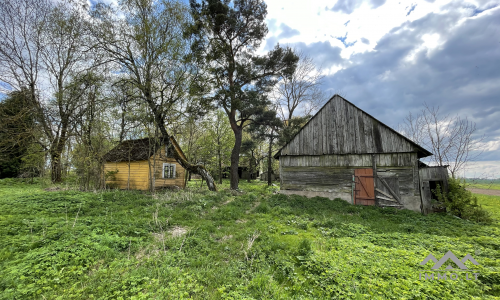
x,y
365,41
348,6
287,32
445,60
323,53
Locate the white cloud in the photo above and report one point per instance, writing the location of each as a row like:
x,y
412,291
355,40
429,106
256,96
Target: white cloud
x,y
389,57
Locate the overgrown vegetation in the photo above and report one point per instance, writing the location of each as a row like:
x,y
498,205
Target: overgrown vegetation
x,y
461,202
248,244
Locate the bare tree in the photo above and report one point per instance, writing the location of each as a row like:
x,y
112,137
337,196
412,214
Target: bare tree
x,y
66,55
21,44
43,46
154,59
300,91
452,139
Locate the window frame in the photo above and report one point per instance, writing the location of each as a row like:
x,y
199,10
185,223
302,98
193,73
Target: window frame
x,y
173,170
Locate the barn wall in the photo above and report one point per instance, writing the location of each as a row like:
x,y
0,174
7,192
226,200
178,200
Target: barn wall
x,y
341,128
332,175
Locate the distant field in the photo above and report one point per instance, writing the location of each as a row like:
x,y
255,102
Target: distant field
x,y
491,203
484,184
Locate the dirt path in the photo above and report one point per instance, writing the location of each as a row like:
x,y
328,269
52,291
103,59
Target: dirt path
x,y
485,192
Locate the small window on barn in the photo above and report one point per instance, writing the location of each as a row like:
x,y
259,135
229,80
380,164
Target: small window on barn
x,y
168,170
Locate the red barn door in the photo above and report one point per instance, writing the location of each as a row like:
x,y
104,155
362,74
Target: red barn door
x,y
364,191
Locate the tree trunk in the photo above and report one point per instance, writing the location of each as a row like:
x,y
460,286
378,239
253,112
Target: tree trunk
x,y
269,161
55,167
197,169
220,167
235,157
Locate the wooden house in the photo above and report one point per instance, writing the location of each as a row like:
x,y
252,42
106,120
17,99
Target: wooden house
x,y
343,152
141,164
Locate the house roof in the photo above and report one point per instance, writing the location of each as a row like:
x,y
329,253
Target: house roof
x,y
348,118
139,149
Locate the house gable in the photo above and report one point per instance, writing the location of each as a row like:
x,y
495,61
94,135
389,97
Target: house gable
x,y
340,127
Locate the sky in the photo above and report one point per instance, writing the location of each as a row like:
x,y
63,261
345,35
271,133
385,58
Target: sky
x,y
391,57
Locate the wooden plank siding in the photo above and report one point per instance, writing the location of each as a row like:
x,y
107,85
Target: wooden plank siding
x,y
333,174
139,177
141,173
350,160
342,128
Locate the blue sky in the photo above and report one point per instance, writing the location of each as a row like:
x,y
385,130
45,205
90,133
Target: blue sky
x,y
389,57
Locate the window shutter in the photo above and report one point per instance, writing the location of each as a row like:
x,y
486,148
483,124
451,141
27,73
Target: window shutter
x,y
173,170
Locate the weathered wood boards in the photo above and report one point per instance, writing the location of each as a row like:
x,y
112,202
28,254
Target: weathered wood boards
x,y
342,128
339,141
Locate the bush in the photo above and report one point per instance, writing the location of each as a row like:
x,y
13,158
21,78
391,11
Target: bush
x,y
461,202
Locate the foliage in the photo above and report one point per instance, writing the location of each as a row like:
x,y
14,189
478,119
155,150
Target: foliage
x,y
17,135
226,37
461,202
247,244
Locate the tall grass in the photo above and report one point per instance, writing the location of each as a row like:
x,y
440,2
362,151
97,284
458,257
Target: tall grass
x,y
251,244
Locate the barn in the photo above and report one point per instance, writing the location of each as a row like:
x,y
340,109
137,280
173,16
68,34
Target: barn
x,y
143,163
343,152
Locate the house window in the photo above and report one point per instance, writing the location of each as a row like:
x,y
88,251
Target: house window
x,y
168,170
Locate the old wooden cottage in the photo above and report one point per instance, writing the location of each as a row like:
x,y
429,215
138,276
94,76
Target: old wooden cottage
x,y
343,152
142,163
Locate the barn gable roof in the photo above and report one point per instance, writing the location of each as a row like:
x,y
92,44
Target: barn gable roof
x,y
340,127
139,149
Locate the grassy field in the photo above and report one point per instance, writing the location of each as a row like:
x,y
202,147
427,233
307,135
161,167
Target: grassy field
x,y
254,244
493,184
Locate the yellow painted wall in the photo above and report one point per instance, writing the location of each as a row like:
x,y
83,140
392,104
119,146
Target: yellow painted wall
x,y
139,173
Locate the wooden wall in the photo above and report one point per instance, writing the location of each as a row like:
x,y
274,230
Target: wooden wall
x,y
333,174
139,177
179,179
140,173
341,128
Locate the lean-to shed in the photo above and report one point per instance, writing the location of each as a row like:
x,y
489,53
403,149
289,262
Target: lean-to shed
x,y
343,152
142,163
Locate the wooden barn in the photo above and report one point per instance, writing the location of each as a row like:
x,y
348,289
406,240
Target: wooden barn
x,y
140,164
343,152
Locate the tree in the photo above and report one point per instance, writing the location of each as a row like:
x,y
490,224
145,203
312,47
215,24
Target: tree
x,y
45,39
154,58
17,132
21,43
66,55
452,139
267,127
217,141
300,91
227,35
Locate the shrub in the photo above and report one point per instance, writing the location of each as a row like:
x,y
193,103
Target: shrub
x,y
461,202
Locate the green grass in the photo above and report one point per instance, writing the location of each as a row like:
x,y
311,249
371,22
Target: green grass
x,y
492,184
491,204
252,244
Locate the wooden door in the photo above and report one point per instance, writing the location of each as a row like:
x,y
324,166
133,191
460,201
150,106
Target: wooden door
x,y
364,191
